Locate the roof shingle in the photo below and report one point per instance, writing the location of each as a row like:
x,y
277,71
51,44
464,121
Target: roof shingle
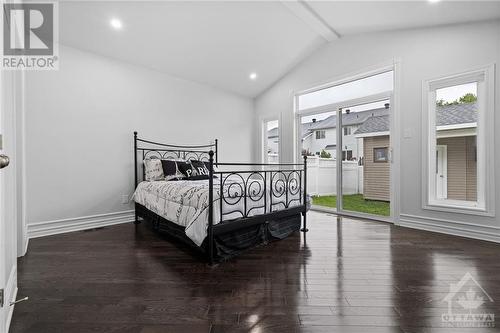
x,y
445,115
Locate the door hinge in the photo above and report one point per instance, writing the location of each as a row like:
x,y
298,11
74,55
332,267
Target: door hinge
x,y
1,298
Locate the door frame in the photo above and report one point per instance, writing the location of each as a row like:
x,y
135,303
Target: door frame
x,y
9,105
395,136
3,283
8,207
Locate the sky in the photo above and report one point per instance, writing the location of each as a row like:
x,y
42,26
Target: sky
x,y
453,93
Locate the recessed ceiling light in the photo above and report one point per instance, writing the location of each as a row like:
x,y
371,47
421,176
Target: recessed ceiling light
x,y
116,23
253,76
432,1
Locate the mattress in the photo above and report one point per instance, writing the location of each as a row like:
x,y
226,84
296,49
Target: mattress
x,y
185,203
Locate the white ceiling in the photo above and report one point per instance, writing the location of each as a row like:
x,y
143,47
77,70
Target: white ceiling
x,y
221,43
218,43
353,17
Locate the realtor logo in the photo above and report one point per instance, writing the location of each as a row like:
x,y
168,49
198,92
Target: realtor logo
x,y
29,36
465,300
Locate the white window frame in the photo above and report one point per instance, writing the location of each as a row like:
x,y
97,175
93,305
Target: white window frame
x,y
485,204
264,139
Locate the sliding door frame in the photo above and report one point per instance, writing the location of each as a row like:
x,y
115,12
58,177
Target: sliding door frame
x,y
395,137
388,95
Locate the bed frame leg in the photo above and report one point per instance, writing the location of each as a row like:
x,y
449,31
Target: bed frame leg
x,y
304,219
210,230
136,219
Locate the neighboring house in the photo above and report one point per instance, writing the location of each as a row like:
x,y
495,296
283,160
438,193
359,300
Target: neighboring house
x,y
273,137
322,135
456,153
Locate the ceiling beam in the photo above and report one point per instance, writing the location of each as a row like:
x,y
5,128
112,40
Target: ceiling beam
x,y
311,18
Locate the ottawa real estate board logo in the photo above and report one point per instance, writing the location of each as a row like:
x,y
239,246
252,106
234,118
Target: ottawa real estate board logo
x,y
30,36
468,305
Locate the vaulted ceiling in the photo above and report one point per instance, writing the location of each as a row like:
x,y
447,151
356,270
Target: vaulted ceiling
x,y
221,43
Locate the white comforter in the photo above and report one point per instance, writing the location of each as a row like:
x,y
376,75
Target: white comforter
x,y
185,202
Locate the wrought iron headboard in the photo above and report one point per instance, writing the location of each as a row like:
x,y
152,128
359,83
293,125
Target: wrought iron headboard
x,y
148,149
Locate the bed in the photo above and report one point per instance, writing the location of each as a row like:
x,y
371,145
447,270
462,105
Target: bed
x,y
236,207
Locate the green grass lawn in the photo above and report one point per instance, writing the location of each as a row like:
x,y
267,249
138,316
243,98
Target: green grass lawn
x,y
355,203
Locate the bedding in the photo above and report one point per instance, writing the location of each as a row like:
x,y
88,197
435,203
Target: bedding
x,y
185,202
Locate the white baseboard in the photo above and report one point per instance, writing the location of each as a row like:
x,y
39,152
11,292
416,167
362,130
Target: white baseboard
x,y
47,228
10,295
455,228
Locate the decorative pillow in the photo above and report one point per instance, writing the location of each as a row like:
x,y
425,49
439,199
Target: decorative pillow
x,y
186,168
171,169
153,169
201,168
193,170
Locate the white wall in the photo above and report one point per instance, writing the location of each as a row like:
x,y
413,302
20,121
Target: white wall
x,y
79,142
423,54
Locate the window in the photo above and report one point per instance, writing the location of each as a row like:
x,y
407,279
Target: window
x,y
347,155
271,141
320,135
347,130
381,154
458,110
375,84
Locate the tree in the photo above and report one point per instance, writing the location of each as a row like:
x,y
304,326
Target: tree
x,y
467,98
440,102
325,154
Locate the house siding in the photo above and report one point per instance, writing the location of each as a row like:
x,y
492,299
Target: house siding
x,y
462,170
376,175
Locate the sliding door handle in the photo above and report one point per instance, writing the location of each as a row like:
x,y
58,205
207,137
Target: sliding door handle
x,y
4,161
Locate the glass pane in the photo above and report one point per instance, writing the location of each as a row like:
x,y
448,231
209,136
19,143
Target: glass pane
x,y
351,90
365,159
319,144
456,150
272,141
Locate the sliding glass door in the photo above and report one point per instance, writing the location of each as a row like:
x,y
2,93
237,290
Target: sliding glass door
x,y
365,166
318,143
344,129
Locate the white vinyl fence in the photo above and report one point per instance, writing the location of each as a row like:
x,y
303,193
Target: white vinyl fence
x,y
322,175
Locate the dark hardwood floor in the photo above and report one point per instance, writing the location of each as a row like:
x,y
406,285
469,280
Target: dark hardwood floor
x,y
349,276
